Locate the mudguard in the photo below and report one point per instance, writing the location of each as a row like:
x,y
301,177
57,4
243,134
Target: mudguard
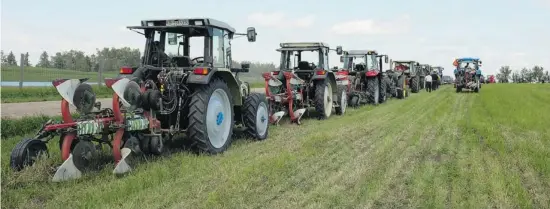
x,y
224,74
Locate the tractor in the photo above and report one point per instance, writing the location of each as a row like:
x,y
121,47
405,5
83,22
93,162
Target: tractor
x,y
438,71
467,74
300,84
165,97
491,79
397,77
423,71
368,81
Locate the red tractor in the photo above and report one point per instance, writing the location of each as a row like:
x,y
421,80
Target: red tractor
x,y
491,79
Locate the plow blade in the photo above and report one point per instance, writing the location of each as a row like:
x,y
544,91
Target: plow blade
x,y
123,166
276,117
298,114
67,171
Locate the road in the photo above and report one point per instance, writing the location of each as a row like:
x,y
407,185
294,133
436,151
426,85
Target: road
x,y
49,108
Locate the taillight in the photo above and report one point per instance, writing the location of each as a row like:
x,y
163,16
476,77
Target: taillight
x,y
126,70
321,72
200,71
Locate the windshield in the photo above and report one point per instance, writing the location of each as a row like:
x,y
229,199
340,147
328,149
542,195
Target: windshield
x,y
303,60
467,65
402,66
368,60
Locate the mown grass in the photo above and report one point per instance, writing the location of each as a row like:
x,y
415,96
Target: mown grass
x,y
13,73
432,150
39,94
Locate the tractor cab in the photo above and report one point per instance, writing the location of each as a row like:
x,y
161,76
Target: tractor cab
x,y
305,59
467,65
366,61
408,67
168,46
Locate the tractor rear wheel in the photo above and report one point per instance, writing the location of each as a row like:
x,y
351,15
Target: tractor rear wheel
x,y
373,90
415,84
256,116
211,118
323,99
383,90
401,92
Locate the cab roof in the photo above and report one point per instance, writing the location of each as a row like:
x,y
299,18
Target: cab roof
x,y
361,52
302,46
182,23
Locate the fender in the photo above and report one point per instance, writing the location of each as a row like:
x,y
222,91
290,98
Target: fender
x,y
226,75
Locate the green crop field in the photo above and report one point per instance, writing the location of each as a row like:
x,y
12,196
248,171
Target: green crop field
x,y
13,73
431,150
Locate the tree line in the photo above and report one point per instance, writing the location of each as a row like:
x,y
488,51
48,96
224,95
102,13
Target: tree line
x,y
525,75
106,59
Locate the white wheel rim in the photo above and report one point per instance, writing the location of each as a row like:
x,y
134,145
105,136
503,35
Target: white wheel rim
x,y
344,101
328,101
218,118
261,119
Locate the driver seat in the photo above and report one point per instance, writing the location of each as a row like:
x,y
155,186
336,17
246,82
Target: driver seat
x,y
304,65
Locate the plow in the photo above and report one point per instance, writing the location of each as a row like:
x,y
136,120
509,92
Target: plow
x,y
300,84
165,97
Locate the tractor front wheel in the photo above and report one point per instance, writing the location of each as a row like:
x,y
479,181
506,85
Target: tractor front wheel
x,y
373,90
383,91
211,117
415,84
256,116
342,100
323,99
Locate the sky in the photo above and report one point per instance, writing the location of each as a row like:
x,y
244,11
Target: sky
x,y
500,32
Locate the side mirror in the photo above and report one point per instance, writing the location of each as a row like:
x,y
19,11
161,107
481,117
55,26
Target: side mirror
x,y
251,34
245,66
172,39
342,59
339,50
386,59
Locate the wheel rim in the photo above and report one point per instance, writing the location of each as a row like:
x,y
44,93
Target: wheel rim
x,y
344,101
261,119
218,118
328,101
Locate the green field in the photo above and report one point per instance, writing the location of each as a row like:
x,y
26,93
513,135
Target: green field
x,y
432,150
13,73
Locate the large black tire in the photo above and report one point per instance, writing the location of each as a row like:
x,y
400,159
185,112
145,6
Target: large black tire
x,y
401,92
25,153
324,110
383,91
256,116
342,100
422,83
373,90
415,84
390,88
197,116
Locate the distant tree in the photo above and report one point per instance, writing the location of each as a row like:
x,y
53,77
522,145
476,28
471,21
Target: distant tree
x,y
26,62
525,75
504,74
44,60
10,60
537,73
3,58
57,61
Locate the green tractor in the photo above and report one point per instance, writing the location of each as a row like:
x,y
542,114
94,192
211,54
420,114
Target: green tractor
x,y
410,70
423,71
398,79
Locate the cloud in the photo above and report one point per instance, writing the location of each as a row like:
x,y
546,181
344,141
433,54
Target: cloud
x,y
280,20
372,27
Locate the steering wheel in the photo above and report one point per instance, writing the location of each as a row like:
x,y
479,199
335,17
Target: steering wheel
x,y
198,60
